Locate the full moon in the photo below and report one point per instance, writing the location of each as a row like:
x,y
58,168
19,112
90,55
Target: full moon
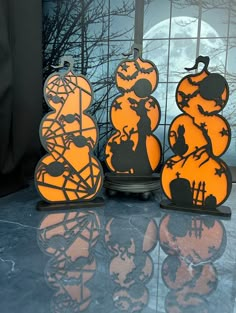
x,y
171,57
183,44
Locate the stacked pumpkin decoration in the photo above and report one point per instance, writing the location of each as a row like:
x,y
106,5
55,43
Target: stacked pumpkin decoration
x,y
192,244
196,177
69,240
69,172
131,266
133,149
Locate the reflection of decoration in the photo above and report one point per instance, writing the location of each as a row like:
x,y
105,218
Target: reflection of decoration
x,y
69,239
195,178
69,172
134,149
131,267
192,243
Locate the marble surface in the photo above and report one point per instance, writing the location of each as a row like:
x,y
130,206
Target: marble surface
x,y
127,256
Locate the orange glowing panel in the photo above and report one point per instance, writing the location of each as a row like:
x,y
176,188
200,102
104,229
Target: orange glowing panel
x,y
69,172
135,114
196,176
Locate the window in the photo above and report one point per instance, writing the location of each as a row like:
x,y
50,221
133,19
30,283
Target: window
x,y
97,32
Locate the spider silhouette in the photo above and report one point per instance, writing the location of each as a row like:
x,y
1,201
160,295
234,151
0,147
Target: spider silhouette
x,y
79,141
54,169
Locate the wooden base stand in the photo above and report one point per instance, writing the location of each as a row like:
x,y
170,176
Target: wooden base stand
x,y
54,206
144,185
222,211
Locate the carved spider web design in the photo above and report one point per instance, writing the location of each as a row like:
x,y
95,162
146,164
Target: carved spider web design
x,y
60,89
53,138
63,85
76,185
69,240
85,184
63,174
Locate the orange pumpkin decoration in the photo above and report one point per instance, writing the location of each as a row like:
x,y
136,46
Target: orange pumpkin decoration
x,y
176,274
125,300
192,244
195,176
192,237
69,239
131,267
133,149
69,172
189,286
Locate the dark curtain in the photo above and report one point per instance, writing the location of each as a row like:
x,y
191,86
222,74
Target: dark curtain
x,y
20,91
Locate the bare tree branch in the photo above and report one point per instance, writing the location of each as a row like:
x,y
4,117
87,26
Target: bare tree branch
x,y
72,27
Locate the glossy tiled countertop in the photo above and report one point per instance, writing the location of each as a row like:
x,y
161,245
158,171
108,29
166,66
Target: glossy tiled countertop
x,y
126,256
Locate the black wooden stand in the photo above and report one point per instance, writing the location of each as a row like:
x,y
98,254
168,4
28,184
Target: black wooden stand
x,y
222,211
54,206
143,185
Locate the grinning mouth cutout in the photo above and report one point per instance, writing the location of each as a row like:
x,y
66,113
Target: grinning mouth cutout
x,y
206,113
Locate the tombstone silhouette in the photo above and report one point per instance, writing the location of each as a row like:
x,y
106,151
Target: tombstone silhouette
x,y
195,178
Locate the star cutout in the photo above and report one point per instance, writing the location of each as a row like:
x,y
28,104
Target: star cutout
x,y
185,100
219,171
170,164
224,132
124,67
152,104
117,105
183,104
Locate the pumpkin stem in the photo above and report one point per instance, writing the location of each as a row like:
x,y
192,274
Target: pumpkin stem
x,y
136,50
201,59
65,59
